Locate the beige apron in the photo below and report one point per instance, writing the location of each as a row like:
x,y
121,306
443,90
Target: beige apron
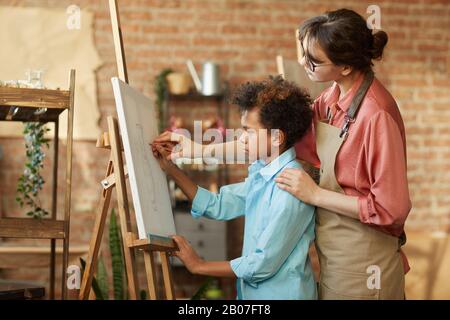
x,y
352,255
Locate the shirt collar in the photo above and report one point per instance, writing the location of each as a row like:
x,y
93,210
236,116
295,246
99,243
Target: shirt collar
x,y
268,171
344,103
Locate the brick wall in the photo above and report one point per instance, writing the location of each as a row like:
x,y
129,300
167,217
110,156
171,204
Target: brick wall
x,y
244,37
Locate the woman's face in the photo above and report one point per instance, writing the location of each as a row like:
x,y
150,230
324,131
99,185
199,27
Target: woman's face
x,y
316,63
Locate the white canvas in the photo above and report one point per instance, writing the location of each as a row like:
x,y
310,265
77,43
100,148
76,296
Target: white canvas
x,y
149,189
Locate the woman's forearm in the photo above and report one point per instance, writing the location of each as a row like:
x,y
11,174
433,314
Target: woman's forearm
x,y
338,202
229,152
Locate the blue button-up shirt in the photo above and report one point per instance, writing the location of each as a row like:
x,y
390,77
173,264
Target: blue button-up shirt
x,y
279,229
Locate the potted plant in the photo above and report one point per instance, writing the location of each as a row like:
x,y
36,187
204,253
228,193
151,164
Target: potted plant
x,y
161,92
31,181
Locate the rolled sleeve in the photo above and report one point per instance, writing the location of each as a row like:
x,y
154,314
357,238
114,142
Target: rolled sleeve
x,y
228,204
200,202
292,216
388,202
366,210
243,271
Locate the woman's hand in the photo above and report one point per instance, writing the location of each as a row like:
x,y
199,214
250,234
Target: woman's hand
x,y
180,146
299,184
302,186
187,254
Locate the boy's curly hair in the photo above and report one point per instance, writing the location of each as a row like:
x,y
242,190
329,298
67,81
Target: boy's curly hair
x,y
282,105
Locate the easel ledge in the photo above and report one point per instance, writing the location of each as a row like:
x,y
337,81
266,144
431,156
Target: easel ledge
x,y
150,244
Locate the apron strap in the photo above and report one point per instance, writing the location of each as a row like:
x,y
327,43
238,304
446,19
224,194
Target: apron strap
x,y
356,103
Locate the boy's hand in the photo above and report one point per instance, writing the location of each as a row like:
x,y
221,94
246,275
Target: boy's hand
x,y
162,153
185,147
187,254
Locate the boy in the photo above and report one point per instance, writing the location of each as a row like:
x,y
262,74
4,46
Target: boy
x,y
279,228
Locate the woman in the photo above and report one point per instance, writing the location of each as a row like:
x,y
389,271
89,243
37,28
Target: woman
x,y
358,139
362,199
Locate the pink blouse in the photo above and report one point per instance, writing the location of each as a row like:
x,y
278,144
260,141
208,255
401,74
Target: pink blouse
x,y
371,163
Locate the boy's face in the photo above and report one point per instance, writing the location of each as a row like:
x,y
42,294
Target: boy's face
x,y
259,142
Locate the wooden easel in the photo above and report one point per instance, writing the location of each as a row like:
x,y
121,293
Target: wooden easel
x,y
115,177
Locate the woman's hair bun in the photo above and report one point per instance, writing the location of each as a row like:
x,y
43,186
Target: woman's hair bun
x,y
380,39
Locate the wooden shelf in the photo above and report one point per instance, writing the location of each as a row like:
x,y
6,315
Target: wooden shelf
x,y
34,98
26,114
11,290
15,249
31,228
29,100
15,255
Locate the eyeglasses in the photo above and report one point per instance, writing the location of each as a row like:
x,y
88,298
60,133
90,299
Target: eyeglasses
x,y
312,66
309,64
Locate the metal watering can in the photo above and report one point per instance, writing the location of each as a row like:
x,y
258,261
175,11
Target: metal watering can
x,y
210,82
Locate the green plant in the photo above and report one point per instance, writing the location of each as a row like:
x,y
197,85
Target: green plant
x,y
115,248
95,285
100,284
161,92
102,278
201,292
31,181
214,292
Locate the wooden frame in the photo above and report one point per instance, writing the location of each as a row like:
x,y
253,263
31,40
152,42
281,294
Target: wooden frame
x,y
56,101
115,177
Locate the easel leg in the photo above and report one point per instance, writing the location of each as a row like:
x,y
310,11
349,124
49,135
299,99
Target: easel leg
x,y
167,275
150,272
96,239
122,201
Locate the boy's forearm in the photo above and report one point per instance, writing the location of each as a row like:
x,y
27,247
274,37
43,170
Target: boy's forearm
x,y
214,269
185,183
